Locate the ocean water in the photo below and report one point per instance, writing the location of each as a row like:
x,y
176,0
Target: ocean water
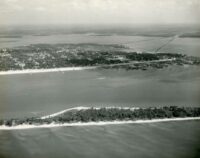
x,y
165,140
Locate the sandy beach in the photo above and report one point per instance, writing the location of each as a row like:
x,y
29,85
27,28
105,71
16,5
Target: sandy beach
x,y
63,111
100,123
31,71
63,69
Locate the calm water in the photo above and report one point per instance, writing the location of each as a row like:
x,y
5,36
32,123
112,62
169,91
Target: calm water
x,y
39,94
163,140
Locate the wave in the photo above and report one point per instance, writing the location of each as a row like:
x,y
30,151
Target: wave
x,y
100,123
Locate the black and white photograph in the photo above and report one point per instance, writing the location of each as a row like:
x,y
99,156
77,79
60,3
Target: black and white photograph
x,y
99,78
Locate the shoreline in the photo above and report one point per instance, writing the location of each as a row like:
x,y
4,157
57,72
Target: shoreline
x,y
78,68
30,71
100,123
63,111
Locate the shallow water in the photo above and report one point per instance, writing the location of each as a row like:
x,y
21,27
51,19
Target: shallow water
x,y
41,94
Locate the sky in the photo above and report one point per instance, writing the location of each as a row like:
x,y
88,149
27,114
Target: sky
x,y
27,12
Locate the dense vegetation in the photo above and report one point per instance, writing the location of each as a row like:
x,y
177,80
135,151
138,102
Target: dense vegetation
x,y
110,114
44,56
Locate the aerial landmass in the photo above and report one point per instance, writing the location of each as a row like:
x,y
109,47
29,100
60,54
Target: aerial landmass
x,y
103,115
52,56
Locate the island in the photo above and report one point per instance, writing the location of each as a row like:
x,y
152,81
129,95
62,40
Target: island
x,y
61,57
105,115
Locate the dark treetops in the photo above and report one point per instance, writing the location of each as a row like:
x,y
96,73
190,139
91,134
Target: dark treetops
x,y
110,114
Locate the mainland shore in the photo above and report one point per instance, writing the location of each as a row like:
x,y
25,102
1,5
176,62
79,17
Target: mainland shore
x,y
41,58
77,68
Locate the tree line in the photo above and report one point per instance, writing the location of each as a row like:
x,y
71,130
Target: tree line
x,y
110,114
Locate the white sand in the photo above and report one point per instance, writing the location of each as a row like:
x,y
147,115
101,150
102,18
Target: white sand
x,y
101,123
30,71
63,111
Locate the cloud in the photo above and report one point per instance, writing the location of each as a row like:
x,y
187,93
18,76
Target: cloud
x,y
100,11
